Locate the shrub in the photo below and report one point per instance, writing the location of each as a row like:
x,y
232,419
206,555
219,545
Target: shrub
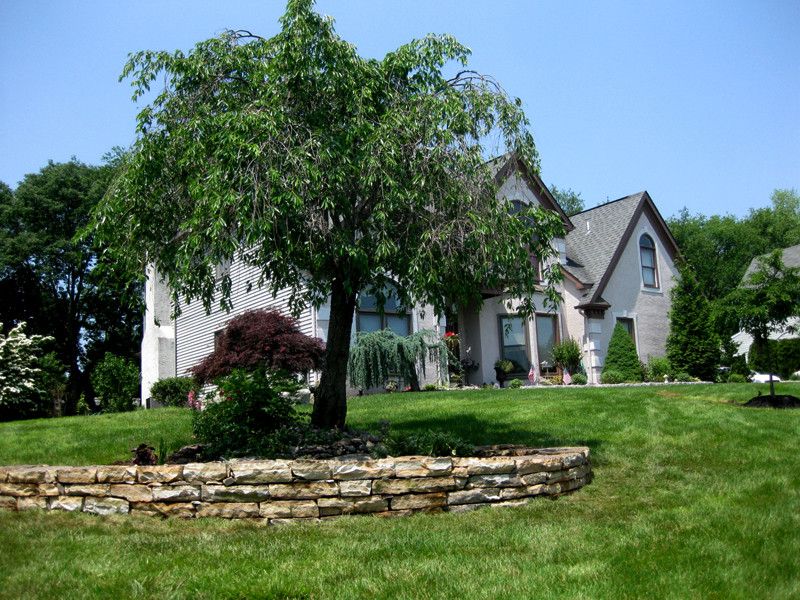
x,y
683,376
261,339
253,407
427,443
116,383
785,354
657,368
173,391
515,384
22,390
622,356
567,355
378,355
430,387
611,376
505,365
737,378
579,379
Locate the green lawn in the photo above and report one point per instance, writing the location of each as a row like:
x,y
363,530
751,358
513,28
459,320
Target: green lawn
x,y
693,497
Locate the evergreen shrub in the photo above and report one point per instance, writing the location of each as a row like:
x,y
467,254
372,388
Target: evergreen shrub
x,y
579,379
611,376
173,391
622,357
515,384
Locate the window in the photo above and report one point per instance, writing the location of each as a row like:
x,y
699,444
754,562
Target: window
x,y
546,338
628,325
218,339
370,318
512,342
222,269
647,252
518,206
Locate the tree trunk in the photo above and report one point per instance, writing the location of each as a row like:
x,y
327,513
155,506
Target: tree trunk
x,y
771,364
330,400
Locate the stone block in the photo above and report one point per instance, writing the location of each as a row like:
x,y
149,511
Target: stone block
x,y
96,489
511,503
483,466
355,488
176,493
261,471
572,484
4,474
418,501
182,510
106,506
286,509
116,474
293,521
423,466
32,503
537,464
8,502
229,510
235,493
303,491
131,493
499,480
31,475
159,473
76,475
536,478
205,472
312,470
18,489
462,508
574,459
67,503
414,485
368,469
49,489
474,496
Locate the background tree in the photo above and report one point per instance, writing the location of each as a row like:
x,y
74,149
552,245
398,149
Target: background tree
x,y
569,200
767,301
328,172
693,345
51,279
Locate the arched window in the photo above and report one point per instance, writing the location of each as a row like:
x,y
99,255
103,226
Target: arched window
x,y
647,253
370,318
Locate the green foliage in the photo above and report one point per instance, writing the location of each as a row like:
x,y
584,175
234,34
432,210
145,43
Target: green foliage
x,y
737,378
23,393
378,355
657,367
116,383
515,384
567,355
246,421
303,158
430,387
579,379
785,352
683,376
612,376
622,357
61,284
504,365
692,344
172,391
569,201
427,443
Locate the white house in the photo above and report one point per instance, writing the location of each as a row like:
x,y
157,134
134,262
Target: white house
x,y
618,261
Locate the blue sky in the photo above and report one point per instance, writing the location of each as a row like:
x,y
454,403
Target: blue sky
x,y
696,102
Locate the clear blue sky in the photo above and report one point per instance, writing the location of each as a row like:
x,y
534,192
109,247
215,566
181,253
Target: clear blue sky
x,y
697,102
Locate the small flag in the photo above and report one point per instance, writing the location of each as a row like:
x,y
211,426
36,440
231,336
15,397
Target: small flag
x,y
532,376
567,379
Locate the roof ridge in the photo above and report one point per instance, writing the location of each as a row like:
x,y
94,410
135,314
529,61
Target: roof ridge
x,y
586,210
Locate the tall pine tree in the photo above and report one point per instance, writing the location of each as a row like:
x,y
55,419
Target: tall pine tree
x,y
692,345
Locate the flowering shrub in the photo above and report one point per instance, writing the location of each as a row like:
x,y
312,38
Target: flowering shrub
x,y
21,390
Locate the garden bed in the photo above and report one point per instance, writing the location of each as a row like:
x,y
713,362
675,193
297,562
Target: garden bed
x,y
278,491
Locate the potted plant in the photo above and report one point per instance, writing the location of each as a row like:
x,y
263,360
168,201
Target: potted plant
x,y
501,370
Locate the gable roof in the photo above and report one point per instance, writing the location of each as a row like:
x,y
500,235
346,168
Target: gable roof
x,y
601,233
790,257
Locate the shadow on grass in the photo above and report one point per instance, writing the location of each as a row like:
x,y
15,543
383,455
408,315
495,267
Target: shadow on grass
x,y
483,432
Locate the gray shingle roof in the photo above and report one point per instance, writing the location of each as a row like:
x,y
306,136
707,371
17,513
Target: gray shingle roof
x,y
790,257
597,234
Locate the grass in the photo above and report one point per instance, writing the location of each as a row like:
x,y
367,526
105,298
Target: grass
x,y
693,497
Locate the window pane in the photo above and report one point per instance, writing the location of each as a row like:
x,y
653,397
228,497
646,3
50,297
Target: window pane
x,y
649,276
545,340
367,301
398,324
648,258
513,331
517,355
369,322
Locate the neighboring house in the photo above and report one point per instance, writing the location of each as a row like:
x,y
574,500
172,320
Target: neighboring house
x,y
618,260
743,340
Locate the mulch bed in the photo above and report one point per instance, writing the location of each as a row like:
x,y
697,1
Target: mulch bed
x,y
779,401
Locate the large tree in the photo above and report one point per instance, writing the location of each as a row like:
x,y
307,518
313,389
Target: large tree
x,y
569,200
330,172
50,279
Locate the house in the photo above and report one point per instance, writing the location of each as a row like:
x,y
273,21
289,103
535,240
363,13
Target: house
x,y
618,260
743,340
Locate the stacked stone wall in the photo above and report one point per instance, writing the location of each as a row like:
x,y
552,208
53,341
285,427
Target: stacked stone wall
x,y
279,491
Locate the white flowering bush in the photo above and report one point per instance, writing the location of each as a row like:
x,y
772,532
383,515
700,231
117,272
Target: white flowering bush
x,y
21,393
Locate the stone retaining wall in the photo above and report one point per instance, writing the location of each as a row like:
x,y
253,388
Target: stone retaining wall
x,y
282,490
